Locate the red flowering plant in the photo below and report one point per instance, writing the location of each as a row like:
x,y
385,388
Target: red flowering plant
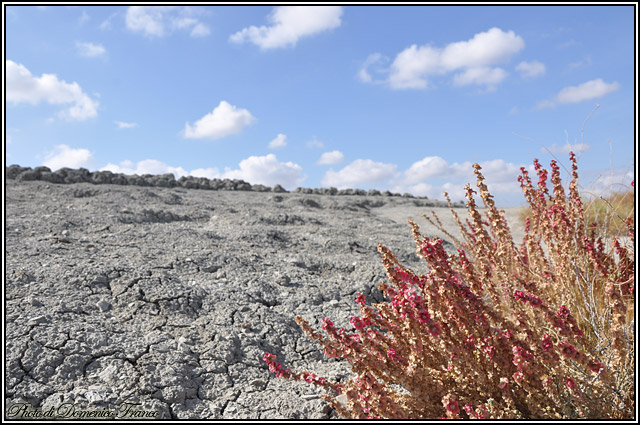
x,y
497,330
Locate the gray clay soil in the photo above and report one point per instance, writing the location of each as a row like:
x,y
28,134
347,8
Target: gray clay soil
x,y
167,297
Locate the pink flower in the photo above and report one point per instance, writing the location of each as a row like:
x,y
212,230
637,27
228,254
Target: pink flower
x,y
327,324
503,384
568,350
546,342
563,311
518,376
481,412
360,299
423,317
391,353
490,350
434,329
570,383
595,367
453,406
357,322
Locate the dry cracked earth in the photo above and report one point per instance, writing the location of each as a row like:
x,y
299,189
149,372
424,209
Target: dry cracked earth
x,y
162,301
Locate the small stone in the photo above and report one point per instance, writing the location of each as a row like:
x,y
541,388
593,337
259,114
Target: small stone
x,y
258,383
183,347
283,279
103,305
37,320
310,396
34,302
100,280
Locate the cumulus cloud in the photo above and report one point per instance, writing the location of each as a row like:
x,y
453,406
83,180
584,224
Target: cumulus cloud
x,y
610,181
288,24
146,166
426,168
210,173
361,172
64,156
123,125
484,49
474,59
586,91
279,142
430,176
531,69
267,170
411,66
158,21
90,50
315,144
223,121
489,77
200,30
84,18
433,175
372,59
22,87
333,157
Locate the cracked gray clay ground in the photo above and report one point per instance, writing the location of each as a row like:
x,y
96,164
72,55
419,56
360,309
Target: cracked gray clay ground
x,y
168,297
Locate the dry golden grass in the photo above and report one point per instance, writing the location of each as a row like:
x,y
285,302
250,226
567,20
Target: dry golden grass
x,y
609,213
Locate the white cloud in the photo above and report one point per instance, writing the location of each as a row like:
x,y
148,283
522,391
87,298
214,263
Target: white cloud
x,y
200,30
372,59
122,125
333,157
106,24
289,24
158,21
590,90
484,49
64,156
432,176
586,91
267,170
411,66
223,121
430,166
575,65
279,142
315,144
531,69
90,50
147,166
359,172
489,77
475,58
610,181
22,87
83,18
210,173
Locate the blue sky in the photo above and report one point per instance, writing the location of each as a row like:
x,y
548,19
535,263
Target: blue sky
x,y
400,98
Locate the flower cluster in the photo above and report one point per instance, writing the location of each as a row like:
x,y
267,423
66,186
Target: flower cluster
x,y
496,330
